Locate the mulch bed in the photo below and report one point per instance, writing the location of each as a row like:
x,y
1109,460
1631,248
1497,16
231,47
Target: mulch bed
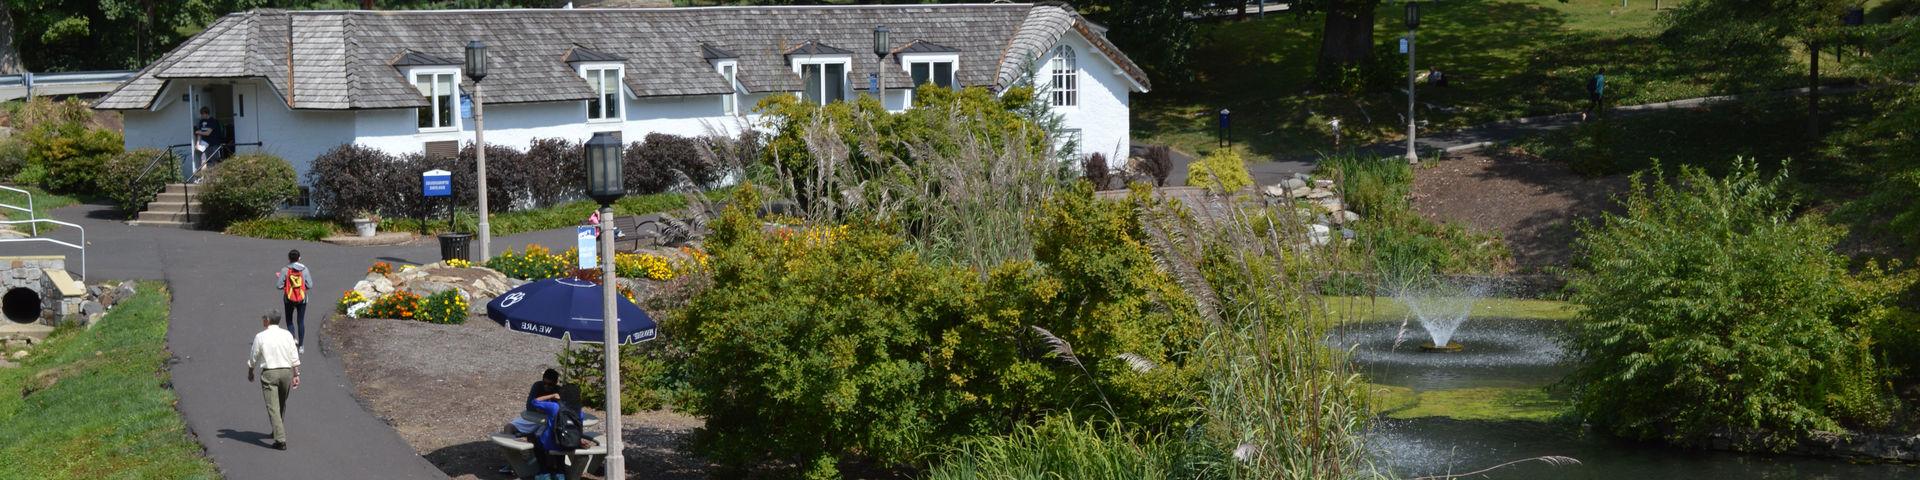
x,y
1531,203
444,388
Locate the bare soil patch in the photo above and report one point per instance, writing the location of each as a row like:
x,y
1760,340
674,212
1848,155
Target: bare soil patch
x,y
444,388
1531,203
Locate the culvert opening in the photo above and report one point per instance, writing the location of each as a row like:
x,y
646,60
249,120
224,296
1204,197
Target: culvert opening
x,y
21,305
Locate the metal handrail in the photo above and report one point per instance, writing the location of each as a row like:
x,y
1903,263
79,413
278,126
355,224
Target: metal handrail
x,y
82,246
155,161
30,213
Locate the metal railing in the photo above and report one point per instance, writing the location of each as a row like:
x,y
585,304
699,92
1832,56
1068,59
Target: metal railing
x,y
82,246
29,208
23,85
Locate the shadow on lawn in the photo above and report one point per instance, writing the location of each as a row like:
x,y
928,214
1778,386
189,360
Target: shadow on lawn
x,y
1504,59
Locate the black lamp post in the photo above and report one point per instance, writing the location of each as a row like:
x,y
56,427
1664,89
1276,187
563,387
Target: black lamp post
x,y
604,185
477,70
880,51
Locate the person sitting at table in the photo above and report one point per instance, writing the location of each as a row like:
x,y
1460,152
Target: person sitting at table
x,y
547,390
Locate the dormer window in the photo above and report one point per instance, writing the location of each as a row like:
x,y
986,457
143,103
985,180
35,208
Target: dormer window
x,y
823,71
928,62
605,83
439,89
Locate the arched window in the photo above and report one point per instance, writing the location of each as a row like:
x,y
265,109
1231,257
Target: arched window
x,y
1066,77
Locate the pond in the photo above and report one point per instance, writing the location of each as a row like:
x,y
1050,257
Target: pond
x,y
1526,355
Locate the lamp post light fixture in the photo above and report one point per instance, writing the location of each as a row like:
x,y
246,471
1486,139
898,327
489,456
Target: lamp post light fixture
x,y
477,70
604,185
1413,24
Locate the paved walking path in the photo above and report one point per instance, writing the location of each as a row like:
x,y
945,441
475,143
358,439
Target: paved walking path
x,y
221,285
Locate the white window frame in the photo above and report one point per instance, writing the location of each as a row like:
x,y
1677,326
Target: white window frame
x,y
413,76
799,62
619,93
908,60
1063,75
730,102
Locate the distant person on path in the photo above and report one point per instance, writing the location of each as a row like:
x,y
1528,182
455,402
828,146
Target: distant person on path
x,y
1596,93
295,281
278,359
1436,78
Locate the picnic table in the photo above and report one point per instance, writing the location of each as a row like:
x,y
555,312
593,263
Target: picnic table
x,y
519,452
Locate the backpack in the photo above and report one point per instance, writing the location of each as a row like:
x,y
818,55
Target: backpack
x,y
296,286
566,430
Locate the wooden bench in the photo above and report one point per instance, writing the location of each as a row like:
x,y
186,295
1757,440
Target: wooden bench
x,y
519,455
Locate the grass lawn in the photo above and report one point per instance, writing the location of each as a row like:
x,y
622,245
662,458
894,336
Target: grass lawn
x,y
1484,403
1765,129
1380,309
95,403
1504,59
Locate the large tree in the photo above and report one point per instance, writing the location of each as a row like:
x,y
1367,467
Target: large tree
x,y
1346,38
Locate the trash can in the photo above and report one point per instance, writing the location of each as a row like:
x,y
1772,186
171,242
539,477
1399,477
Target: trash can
x,y
455,245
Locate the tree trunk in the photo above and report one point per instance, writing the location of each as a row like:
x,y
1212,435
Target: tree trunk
x,y
9,51
1347,39
1813,90
1243,10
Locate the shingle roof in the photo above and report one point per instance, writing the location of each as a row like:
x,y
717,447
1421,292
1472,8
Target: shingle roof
x,y
923,46
710,53
584,54
814,47
347,59
411,58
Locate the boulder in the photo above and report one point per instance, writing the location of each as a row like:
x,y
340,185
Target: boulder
x,y
91,308
1347,216
20,355
1299,192
380,285
1323,183
1318,234
1275,191
1319,193
1330,205
1295,182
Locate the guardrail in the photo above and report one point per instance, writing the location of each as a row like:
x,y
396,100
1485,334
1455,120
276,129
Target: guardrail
x,y
29,209
23,85
82,247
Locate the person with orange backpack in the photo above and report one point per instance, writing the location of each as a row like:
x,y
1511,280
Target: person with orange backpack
x,y
295,281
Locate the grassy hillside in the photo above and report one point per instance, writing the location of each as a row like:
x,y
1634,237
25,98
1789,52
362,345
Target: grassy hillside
x,y
95,403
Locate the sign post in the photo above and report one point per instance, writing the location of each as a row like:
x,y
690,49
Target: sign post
x,y
438,184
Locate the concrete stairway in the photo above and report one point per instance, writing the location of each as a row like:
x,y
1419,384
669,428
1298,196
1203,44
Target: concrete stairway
x,y
176,206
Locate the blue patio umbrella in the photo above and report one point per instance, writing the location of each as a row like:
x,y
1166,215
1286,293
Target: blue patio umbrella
x,y
568,307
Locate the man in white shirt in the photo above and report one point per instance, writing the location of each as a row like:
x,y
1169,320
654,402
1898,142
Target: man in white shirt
x,y
278,358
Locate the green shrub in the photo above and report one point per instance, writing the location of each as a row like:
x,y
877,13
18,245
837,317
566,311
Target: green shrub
x,y
246,187
60,138
1391,236
283,228
31,175
1708,305
13,156
1061,447
447,307
123,182
838,343
1220,171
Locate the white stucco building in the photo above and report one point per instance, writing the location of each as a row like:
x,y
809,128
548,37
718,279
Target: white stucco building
x,y
298,83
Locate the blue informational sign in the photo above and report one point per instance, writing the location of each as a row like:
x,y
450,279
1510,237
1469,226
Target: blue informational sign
x,y
1403,45
589,252
873,84
466,106
436,183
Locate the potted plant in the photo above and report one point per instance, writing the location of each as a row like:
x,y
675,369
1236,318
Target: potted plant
x,y
365,223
